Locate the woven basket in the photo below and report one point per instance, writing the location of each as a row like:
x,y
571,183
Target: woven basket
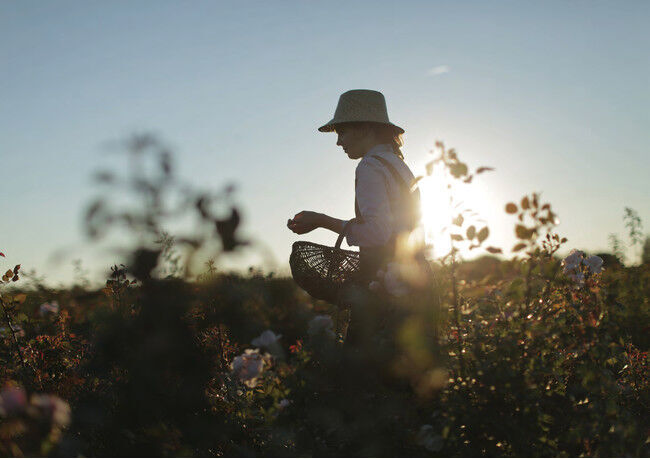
x,y
321,270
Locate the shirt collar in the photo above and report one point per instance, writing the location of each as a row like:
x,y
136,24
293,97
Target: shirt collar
x,y
381,148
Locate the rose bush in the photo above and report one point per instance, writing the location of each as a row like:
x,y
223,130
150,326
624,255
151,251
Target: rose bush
x,y
536,355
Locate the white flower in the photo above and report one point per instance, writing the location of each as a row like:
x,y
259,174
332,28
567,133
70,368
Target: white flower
x,y
52,407
428,439
284,403
578,278
49,308
572,266
594,263
321,325
266,339
12,400
248,366
572,261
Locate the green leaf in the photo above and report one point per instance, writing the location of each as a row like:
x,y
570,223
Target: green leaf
x,y
511,208
457,237
458,221
519,247
20,298
458,169
471,232
522,232
21,317
483,234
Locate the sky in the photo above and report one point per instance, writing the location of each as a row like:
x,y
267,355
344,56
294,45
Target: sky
x,y
553,95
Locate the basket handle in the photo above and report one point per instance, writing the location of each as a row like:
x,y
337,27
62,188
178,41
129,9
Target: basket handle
x,y
339,240
337,246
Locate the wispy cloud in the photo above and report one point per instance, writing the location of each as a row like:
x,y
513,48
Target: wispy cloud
x,y
439,70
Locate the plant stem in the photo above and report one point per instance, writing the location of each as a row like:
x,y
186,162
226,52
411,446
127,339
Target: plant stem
x,y
454,284
13,335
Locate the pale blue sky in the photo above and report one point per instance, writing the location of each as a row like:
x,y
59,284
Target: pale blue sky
x,y
554,95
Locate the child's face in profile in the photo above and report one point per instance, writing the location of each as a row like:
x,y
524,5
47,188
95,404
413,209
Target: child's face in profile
x,y
352,140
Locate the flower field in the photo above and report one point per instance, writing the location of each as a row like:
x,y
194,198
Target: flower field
x,y
536,355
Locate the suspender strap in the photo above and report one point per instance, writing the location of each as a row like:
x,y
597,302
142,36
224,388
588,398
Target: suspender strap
x,y
406,189
398,178
408,196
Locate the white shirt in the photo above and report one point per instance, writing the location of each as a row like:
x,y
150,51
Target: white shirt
x,y
375,187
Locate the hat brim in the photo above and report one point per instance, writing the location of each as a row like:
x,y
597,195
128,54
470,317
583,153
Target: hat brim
x,y
331,126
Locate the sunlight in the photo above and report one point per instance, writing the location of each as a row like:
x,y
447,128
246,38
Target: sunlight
x,y
437,212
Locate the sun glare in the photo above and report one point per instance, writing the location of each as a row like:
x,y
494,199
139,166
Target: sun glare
x,y
438,211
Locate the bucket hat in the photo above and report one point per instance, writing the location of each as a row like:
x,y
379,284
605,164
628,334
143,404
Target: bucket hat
x,y
360,105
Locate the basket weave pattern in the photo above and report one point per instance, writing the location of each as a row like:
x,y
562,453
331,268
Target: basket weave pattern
x,y
322,270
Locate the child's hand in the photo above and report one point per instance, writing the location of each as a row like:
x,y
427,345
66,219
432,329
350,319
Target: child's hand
x,y
304,222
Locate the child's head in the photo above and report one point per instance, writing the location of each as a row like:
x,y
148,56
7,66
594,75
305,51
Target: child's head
x,y
357,138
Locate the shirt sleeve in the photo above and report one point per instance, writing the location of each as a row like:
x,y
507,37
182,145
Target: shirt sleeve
x,y
372,198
